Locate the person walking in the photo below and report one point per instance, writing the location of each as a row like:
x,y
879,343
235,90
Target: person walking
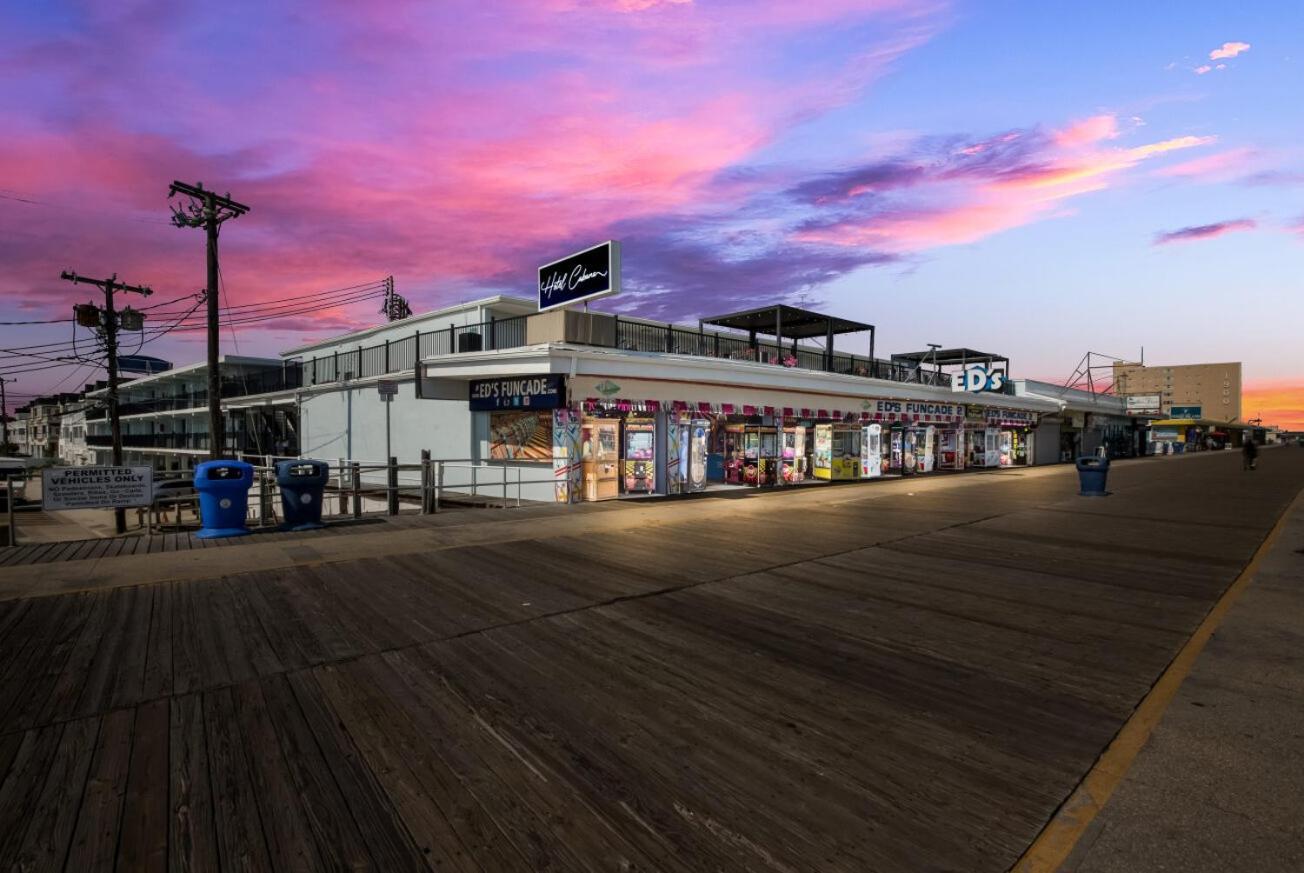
x,y
1249,454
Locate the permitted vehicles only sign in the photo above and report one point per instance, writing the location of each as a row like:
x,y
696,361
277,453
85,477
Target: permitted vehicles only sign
x,y
96,487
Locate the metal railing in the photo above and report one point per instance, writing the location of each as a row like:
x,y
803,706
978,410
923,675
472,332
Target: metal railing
x,y
643,336
353,492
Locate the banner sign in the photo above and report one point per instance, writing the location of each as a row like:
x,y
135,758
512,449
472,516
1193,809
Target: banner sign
x,y
581,277
518,392
1185,411
917,407
1143,404
1010,415
96,487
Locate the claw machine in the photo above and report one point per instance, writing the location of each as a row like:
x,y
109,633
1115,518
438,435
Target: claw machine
x,y
760,455
732,444
600,457
871,451
837,451
640,456
950,453
925,449
693,436
793,462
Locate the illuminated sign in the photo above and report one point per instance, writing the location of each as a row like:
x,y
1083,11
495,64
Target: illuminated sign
x,y
580,277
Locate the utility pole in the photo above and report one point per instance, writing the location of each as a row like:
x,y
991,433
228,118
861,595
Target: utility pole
x,y
208,209
109,325
4,415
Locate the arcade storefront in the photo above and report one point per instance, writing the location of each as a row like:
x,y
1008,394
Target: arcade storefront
x,y
998,436
631,446
605,439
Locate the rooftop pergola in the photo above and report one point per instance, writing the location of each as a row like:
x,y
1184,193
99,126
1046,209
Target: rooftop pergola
x,y
790,322
949,358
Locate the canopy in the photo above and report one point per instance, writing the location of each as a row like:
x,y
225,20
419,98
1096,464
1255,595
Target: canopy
x,y
787,321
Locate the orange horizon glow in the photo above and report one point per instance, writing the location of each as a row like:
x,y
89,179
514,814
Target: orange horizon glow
x,y
1278,402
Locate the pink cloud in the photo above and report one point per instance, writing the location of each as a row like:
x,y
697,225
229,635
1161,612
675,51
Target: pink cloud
x,y
1088,131
985,188
1204,231
1229,50
1202,69
1215,167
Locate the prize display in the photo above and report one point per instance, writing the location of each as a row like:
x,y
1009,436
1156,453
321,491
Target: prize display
x,y
693,454
640,454
871,451
793,462
837,451
600,458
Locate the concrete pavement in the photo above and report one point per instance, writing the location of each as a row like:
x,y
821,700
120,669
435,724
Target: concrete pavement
x,y
1220,785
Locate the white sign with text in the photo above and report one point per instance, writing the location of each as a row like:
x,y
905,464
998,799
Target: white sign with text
x,y
96,487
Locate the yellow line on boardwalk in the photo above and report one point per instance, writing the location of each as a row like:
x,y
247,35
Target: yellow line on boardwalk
x,y
1060,836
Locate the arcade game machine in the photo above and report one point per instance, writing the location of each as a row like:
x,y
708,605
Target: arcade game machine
x,y
991,447
909,441
841,458
793,462
1006,448
950,454
760,455
871,451
600,456
640,454
733,453
925,449
823,457
698,432
896,442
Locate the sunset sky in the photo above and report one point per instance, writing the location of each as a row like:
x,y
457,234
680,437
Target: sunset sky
x,y
1033,179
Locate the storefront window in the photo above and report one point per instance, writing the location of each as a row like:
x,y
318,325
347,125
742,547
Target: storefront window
x,y
520,436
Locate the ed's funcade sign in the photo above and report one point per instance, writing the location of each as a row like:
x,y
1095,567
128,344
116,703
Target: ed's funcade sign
x,y
580,277
977,377
518,392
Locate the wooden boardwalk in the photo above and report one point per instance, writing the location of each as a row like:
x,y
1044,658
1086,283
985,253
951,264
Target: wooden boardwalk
x,y
899,677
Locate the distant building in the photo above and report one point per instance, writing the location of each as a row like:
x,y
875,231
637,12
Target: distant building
x,y
73,449
1196,391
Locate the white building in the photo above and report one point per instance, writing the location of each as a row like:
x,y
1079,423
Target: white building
x,y
73,448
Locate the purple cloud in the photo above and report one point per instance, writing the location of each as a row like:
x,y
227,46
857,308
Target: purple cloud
x,y
1204,231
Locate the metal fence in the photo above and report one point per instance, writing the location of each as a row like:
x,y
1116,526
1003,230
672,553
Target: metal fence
x,y
356,489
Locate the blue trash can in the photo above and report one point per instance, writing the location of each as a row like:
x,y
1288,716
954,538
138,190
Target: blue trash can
x,y
223,488
302,484
1092,472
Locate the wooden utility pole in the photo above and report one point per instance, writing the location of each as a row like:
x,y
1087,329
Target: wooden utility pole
x,y
4,415
208,209
109,327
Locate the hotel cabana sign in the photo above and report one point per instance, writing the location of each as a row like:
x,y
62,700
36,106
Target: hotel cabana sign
x,y
581,277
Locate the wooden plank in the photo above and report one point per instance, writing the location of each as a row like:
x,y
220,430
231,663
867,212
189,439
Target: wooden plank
x,y
240,837
197,658
67,691
95,841
291,844
537,808
192,846
157,679
51,818
45,626
27,776
393,767
144,841
26,711
390,844
132,652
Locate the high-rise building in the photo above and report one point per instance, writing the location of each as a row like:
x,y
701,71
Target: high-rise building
x,y
1207,391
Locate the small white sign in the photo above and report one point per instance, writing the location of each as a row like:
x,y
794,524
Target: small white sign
x,y
1141,404
96,487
